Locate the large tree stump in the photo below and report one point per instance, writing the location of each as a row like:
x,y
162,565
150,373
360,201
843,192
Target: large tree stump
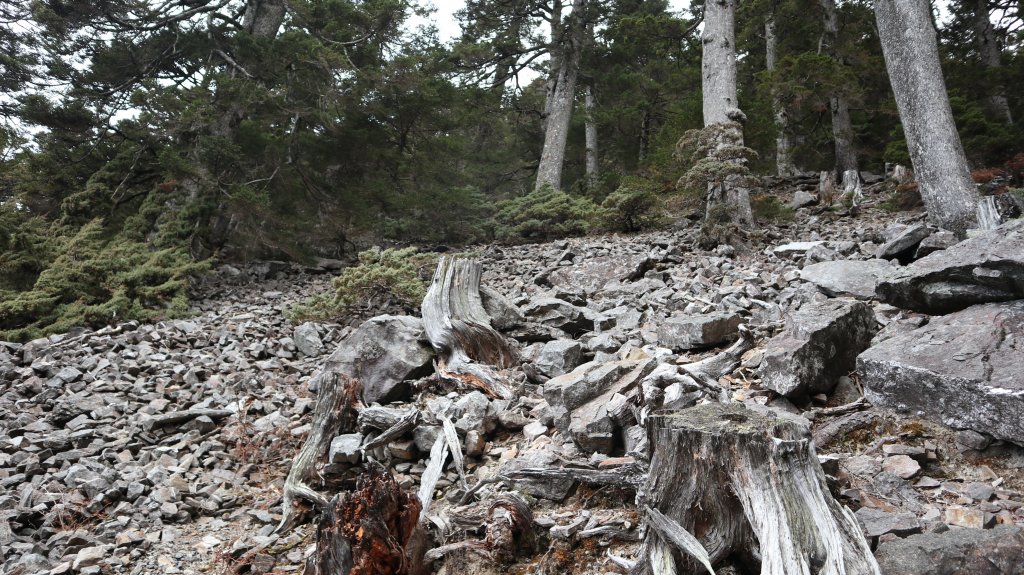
x,y
748,486
469,351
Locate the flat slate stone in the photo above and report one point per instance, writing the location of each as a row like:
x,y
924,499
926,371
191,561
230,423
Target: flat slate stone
x,y
857,278
983,269
995,551
964,369
681,333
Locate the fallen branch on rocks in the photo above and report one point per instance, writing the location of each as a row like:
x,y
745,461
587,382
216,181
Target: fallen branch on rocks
x,y
469,351
629,476
334,413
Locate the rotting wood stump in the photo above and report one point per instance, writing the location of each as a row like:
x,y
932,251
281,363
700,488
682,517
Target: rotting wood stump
x,y
469,351
373,530
728,484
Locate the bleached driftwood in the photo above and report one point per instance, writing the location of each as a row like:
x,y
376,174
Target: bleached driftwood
x,y
469,351
334,413
748,487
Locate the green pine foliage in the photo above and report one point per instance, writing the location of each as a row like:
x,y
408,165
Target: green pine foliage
x,y
543,214
634,206
394,276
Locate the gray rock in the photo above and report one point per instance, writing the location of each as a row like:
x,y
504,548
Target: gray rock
x,y
474,411
592,274
938,240
963,369
877,522
503,314
307,339
801,199
820,344
557,313
795,248
558,357
590,380
383,354
986,268
424,436
903,243
857,278
553,489
345,448
680,333
995,551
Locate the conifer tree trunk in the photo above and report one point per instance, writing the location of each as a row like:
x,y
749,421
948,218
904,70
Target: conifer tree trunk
x,y
591,135
912,58
561,96
783,148
988,47
718,80
839,106
645,136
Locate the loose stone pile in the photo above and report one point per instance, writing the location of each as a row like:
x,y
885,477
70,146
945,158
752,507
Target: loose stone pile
x,y
162,448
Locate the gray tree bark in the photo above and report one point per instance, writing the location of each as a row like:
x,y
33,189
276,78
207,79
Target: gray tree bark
x,y
718,74
991,58
912,59
593,168
560,99
842,127
783,148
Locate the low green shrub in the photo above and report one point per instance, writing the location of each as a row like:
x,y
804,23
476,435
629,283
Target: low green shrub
x,y
767,207
395,276
633,206
543,214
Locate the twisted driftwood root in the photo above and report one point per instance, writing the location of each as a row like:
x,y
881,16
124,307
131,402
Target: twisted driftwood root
x,y
469,351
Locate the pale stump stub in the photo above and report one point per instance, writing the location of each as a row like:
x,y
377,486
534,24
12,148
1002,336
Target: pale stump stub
x,y
748,486
469,351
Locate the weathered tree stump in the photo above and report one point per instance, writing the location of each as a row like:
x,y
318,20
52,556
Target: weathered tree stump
x,y
746,486
334,413
373,530
469,351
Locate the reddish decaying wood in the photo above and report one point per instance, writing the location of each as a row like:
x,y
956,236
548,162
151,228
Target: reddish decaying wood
x,y
370,531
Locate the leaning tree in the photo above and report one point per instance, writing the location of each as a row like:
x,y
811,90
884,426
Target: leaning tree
x,y
911,53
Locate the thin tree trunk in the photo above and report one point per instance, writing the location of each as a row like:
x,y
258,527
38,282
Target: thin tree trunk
x,y
783,148
988,47
842,127
912,59
731,197
556,53
556,125
591,136
645,136
718,62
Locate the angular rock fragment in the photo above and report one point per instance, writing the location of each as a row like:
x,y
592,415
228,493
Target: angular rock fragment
x,y
558,357
819,345
979,552
963,369
572,319
383,354
903,243
307,339
680,333
877,522
983,269
857,278
592,274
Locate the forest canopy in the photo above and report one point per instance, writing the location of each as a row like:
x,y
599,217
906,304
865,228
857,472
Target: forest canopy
x,y
141,138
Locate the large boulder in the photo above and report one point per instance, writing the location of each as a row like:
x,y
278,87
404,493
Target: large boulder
x,y
997,551
383,354
855,278
965,369
983,269
558,357
820,344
